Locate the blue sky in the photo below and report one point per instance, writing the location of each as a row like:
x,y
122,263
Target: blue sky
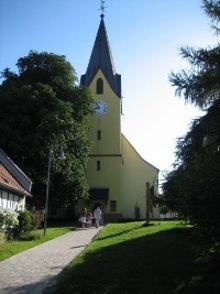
x,y
144,36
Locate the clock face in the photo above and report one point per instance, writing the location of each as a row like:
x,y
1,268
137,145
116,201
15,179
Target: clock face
x,y
100,107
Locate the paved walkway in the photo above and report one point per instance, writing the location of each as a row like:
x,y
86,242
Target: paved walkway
x,y
34,271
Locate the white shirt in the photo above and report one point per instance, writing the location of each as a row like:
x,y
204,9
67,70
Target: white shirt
x,y
97,212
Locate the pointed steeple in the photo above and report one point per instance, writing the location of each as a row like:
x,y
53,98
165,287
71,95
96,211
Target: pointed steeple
x,y
101,58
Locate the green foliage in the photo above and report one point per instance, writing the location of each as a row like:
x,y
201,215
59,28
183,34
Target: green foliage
x,y
26,221
30,236
193,187
163,210
44,107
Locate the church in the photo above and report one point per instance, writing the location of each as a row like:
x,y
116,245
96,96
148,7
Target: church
x,y
121,182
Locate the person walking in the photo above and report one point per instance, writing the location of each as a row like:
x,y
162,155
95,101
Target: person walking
x,y
97,215
89,219
83,218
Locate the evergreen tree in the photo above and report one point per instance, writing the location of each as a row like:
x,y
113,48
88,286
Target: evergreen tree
x,y
193,188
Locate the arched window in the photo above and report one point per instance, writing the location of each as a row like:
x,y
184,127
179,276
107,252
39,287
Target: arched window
x,y
99,86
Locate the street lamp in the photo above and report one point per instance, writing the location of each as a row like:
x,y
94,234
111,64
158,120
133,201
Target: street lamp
x,y
50,155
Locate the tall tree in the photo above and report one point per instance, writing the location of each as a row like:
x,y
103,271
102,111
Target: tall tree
x,y
43,108
200,84
196,178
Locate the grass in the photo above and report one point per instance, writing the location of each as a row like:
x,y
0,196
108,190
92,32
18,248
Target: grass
x,y
55,230
132,258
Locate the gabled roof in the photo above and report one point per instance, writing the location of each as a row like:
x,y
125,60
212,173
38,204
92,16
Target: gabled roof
x,y
8,182
11,176
101,58
123,137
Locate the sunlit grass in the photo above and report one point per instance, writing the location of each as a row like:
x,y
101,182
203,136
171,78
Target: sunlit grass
x,y
11,248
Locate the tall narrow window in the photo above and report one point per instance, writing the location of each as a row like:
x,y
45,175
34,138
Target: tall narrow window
x,y
113,205
99,86
98,165
99,135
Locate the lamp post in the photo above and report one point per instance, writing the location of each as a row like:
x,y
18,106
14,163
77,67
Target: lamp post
x,y
50,155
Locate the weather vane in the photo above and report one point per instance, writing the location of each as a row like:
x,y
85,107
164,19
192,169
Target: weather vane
x,y
102,6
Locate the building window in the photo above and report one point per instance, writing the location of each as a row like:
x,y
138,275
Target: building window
x,y
99,86
98,165
113,205
99,135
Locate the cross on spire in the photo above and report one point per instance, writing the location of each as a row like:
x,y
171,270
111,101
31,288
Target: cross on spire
x,y
102,7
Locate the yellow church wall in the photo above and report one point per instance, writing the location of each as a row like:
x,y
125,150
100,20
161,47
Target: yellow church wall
x,y
136,172
105,175
108,177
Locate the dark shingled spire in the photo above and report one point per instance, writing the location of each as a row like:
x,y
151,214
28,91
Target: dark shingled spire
x,y
101,58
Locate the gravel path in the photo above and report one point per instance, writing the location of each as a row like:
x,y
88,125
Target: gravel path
x,y
36,270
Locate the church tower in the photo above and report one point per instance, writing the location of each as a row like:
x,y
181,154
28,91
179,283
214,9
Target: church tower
x,y
104,173
117,175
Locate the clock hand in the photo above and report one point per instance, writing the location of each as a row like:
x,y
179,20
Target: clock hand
x,y
96,106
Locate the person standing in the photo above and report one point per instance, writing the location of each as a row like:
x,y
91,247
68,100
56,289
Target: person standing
x,y
102,216
97,215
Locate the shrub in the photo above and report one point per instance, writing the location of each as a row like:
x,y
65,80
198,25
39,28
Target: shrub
x,y
12,233
8,218
26,221
30,236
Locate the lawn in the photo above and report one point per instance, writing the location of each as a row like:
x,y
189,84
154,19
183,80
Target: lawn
x,y
131,258
54,230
